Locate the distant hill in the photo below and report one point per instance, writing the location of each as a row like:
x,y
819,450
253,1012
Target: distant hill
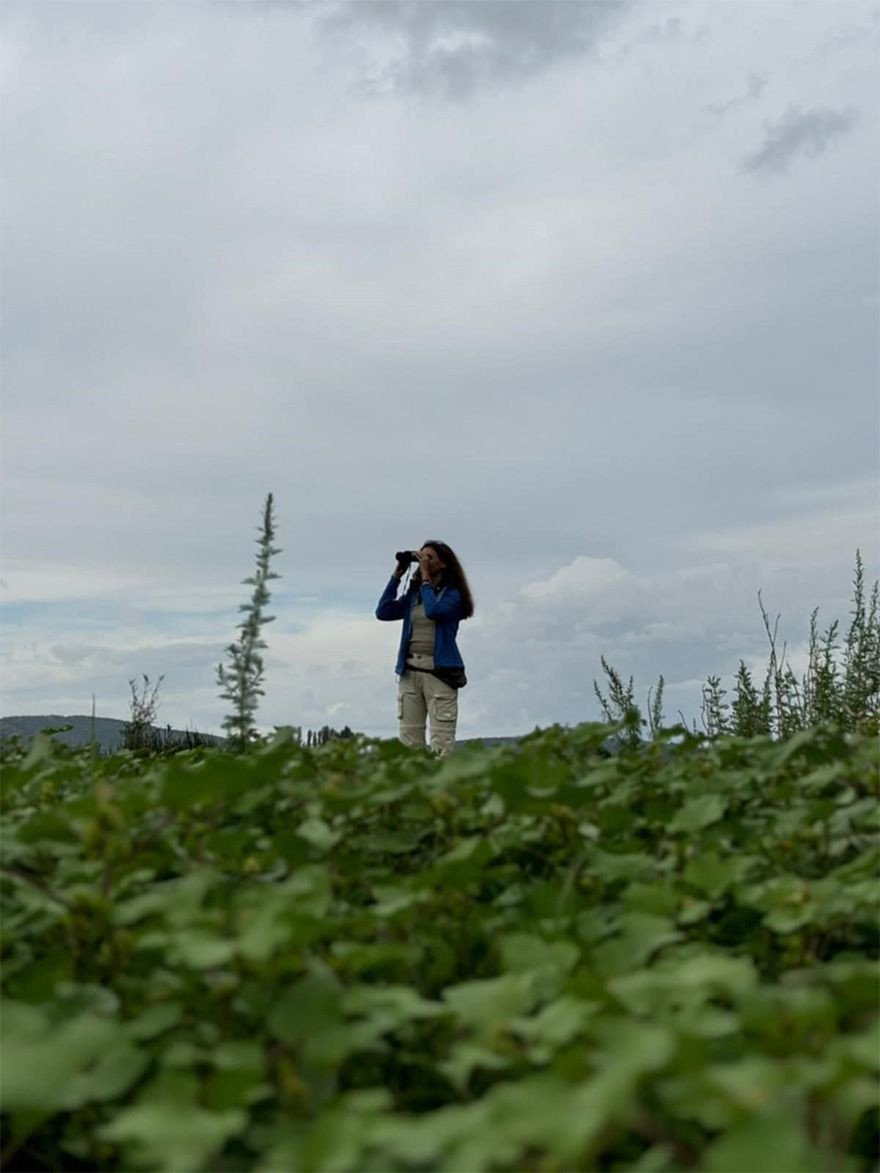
x,y
107,730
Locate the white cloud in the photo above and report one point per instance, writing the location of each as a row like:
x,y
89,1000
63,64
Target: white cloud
x,y
584,578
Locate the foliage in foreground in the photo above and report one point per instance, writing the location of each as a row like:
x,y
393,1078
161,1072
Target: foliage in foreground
x,y
360,958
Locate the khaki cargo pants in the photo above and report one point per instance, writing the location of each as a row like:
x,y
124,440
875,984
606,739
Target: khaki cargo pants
x,y
419,696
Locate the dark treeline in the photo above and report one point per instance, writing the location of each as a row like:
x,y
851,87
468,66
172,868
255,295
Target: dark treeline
x,y
316,737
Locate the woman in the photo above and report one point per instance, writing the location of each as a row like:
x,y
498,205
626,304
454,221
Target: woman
x,y
429,664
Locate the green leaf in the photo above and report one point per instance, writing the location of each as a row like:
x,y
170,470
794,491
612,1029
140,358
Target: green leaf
x,y
681,986
635,1048
483,1004
201,949
713,875
792,746
465,1058
155,1021
459,865
554,1026
43,1061
265,930
177,901
234,1088
389,1007
612,866
238,1055
657,899
318,833
338,1139
184,785
171,1136
639,936
699,813
522,952
47,825
309,1016
659,1159
184,1054
113,1074
309,890
766,1143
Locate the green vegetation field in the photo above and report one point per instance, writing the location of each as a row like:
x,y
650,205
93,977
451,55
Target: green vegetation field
x,y
361,958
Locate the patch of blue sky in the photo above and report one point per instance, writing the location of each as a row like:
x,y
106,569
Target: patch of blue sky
x,y
81,616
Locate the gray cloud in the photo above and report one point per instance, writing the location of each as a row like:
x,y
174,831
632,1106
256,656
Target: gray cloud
x,y
668,34
455,46
755,87
798,132
860,34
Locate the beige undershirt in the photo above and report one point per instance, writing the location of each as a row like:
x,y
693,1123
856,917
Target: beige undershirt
x,y
420,653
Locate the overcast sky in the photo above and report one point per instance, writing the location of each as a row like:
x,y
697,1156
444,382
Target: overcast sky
x,y
588,291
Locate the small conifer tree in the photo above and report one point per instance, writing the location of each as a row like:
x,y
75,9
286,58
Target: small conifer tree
x,y
242,680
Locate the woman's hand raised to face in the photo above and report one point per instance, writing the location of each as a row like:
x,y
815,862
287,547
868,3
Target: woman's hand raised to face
x,y
426,561
425,564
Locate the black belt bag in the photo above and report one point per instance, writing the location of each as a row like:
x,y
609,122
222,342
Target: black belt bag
x,y
454,677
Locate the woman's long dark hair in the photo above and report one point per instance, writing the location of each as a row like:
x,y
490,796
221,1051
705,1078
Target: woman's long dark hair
x,y
453,576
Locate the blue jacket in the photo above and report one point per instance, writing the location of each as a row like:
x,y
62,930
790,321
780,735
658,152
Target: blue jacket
x,y
443,606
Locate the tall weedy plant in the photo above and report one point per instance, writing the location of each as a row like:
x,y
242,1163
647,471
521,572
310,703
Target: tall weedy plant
x,y
138,732
620,706
841,685
242,680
